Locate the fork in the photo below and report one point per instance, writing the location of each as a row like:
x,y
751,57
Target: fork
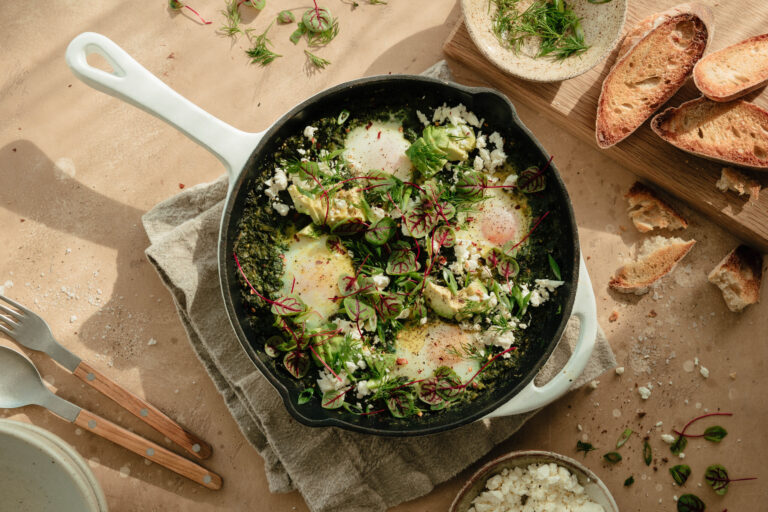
x,y
31,331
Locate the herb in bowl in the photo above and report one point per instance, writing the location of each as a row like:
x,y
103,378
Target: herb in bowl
x,y
553,24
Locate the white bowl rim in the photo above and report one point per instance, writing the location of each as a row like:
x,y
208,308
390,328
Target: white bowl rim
x,y
58,449
545,457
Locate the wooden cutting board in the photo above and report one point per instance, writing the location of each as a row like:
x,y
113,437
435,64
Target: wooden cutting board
x,y
573,103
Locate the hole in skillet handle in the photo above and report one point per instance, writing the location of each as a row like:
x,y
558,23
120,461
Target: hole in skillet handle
x,y
559,229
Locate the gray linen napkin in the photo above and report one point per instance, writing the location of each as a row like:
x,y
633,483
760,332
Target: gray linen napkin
x,y
367,473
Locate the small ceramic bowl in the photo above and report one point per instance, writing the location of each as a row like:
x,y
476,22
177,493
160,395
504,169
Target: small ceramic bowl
x,y
602,24
593,487
40,472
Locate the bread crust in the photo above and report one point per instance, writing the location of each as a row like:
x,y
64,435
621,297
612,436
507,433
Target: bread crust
x,y
663,126
653,212
638,276
738,276
605,134
702,71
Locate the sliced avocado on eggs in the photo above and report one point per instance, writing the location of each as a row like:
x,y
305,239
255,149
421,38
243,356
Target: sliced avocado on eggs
x,y
468,301
341,207
440,144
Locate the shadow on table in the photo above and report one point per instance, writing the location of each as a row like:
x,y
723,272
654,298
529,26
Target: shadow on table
x,y
26,176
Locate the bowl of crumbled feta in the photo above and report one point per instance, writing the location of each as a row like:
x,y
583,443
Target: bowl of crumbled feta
x,y
534,481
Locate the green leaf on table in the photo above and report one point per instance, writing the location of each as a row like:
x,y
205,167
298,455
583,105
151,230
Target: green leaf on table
x,y
624,437
584,447
647,453
629,481
690,503
612,457
680,473
715,434
679,445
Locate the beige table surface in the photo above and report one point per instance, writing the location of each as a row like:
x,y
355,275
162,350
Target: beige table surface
x,y
79,168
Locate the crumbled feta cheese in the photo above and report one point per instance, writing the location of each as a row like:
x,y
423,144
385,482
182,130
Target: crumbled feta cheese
x,y
278,182
423,320
328,382
547,487
619,370
669,439
377,213
645,393
704,372
309,132
455,115
510,181
380,281
593,384
540,293
362,389
422,118
152,341
73,319
281,208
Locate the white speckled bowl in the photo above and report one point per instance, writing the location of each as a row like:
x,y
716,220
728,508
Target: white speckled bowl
x,y
594,488
602,24
39,472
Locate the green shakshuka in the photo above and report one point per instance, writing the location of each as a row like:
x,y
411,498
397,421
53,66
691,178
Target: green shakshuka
x,y
390,258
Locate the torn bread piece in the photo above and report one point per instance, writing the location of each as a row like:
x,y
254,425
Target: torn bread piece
x,y
731,179
738,276
648,211
657,257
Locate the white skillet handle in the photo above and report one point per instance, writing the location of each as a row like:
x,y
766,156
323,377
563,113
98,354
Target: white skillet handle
x,y
533,396
130,82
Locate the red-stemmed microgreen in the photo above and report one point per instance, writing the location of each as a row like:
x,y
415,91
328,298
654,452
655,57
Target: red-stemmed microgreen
x,y
509,249
717,477
297,363
177,6
322,361
680,473
284,306
380,232
690,503
332,400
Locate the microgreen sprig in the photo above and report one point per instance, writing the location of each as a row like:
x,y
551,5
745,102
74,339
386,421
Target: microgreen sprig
x,y
176,5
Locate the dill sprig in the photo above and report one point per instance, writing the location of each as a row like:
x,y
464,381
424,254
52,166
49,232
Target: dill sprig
x,y
259,53
555,24
316,61
231,26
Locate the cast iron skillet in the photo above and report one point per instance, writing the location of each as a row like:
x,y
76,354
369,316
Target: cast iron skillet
x,y
241,154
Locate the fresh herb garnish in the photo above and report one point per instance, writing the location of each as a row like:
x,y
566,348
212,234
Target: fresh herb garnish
x,y
258,52
714,434
305,395
556,270
316,61
647,453
629,481
680,473
285,17
624,435
553,24
679,445
690,503
717,478
612,457
584,447
176,5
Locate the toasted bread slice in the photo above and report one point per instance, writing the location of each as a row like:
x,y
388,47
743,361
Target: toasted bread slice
x,y
657,57
733,71
657,257
731,179
648,211
735,132
738,276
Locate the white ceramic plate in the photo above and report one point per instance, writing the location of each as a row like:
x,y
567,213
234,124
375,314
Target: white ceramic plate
x,y
602,24
594,488
39,472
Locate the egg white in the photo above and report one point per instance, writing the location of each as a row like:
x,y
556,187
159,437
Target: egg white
x,y
499,219
426,348
316,270
380,146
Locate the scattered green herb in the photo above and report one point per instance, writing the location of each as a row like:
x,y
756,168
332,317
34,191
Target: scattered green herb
x,y
232,20
612,457
715,434
647,453
554,24
556,270
177,6
679,445
584,447
690,503
717,478
259,53
285,17
680,473
624,435
316,61
305,395
629,481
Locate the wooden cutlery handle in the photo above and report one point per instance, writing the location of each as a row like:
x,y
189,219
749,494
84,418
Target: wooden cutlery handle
x,y
156,453
145,411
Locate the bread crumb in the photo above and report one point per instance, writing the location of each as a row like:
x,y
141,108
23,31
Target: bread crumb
x,y
614,316
619,370
704,372
652,314
645,393
732,375
731,179
593,384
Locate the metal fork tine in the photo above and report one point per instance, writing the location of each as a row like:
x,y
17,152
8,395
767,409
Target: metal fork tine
x,y
15,304
7,331
8,321
11,312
